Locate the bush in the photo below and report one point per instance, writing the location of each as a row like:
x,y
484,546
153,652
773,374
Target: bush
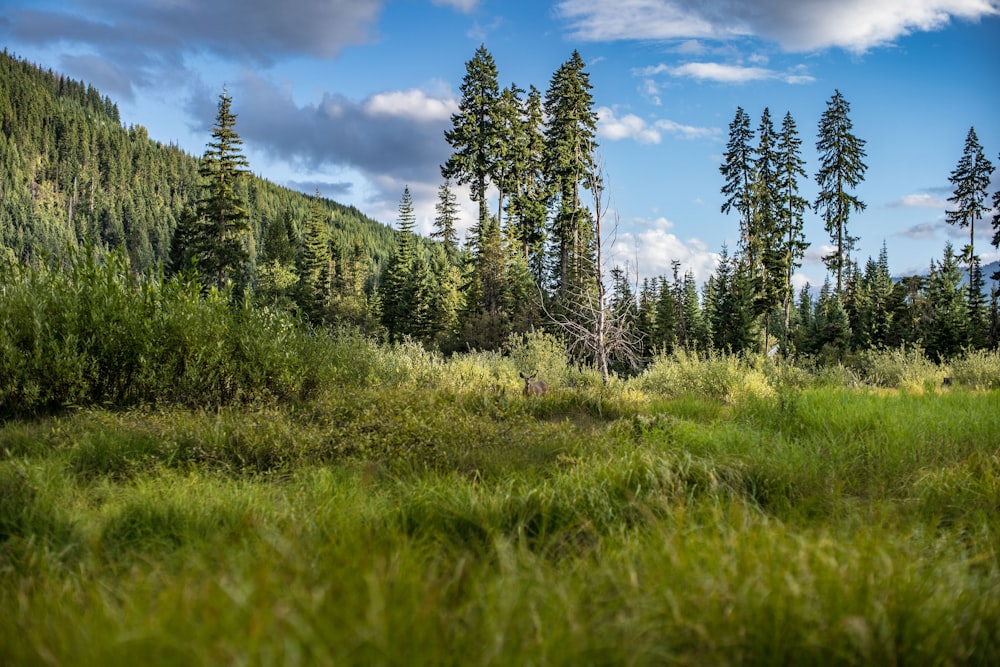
x,y
978,369
722,377
901,368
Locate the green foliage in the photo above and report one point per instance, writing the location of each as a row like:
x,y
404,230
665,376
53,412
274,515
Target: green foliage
x,y
902,368
99,334
976,369
841,170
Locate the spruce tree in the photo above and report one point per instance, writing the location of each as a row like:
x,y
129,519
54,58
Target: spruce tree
x,y
971,179
476,130
219,241
765,261
570,140
314,267
446,220
791,210
946,330
526,209
841,170
397,287
737,172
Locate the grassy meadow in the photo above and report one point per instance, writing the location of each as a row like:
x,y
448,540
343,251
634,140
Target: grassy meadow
x,y
407,509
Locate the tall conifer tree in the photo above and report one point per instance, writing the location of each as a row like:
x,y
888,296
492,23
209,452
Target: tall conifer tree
x,y
790,210
223,219
841,170
737,172
971,179
570,138
475,135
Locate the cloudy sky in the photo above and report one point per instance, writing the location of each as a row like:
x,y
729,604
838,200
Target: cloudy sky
x,y
352,97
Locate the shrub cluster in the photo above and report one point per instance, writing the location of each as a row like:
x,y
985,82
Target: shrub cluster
x,y
97,334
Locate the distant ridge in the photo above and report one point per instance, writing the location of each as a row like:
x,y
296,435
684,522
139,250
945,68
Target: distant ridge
x,y
72,174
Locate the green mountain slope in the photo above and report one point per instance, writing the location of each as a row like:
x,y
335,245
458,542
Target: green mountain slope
x,y
71,174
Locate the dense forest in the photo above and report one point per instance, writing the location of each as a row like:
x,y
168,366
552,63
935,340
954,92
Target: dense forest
x,y
74,177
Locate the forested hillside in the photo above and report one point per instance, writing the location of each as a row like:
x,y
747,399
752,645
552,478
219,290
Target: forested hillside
x,y
71,174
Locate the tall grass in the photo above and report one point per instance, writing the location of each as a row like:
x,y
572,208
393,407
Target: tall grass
x,y
265,494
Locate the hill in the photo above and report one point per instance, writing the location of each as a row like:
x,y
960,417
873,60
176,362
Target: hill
x,y
71,173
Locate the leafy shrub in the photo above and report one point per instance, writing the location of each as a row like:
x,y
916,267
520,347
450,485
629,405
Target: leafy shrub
x,y
904,368
723,377
96,334
978,369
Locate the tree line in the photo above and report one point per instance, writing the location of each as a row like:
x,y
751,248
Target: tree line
x,y
533,258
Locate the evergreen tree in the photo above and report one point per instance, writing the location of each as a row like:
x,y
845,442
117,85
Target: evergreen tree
x,y
476,130
446,220
529,198
698,335
765,262
830,335
666,318
397,288
219,241
841,170
570,144
978,319
790,211
737,172
314,266
945,331
732,314
971,179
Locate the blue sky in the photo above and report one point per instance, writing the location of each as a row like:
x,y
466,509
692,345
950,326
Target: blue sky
x,y
352,97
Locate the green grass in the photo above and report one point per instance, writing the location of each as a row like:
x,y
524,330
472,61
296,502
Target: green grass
x,y
411,510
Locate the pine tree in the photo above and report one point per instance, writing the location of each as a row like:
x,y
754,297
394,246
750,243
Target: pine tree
x,y
223,219
526,209
945,331
978,319
475,135
841,170
765,263
397,288
732,314
971,179
570,145
790,211
446,220
314,267
737,171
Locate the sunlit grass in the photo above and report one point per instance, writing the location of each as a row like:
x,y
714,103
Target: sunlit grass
x,y
412,509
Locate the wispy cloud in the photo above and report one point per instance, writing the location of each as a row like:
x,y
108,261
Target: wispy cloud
x,y
465,6
920,200
721,73
797,25
613,127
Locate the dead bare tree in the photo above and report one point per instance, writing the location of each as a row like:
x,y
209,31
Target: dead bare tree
x,y
592,329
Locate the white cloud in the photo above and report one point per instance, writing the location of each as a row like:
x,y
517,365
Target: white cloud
x,y
921,200
630,126
413,104
718,72
797,25
649,248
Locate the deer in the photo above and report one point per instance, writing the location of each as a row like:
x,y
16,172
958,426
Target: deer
x,y
533,387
